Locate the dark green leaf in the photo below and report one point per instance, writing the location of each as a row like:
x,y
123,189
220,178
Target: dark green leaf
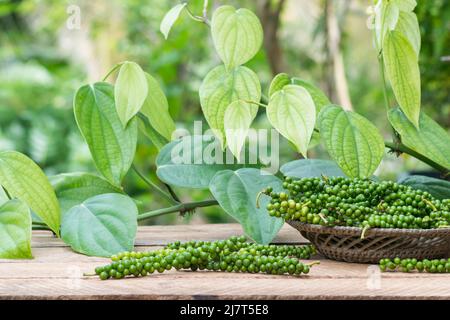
x,y
192,162
101,226
236,192
436,187
74,188
112,146
305,168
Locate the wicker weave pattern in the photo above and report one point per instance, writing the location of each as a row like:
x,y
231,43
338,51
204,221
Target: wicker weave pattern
x,y
345,243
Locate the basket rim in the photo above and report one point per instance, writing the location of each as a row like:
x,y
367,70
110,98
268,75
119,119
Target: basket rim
x,y
341,230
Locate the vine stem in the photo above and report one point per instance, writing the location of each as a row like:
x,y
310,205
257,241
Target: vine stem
x,y
113,69
399,147
313,263
155,187
255,102
181,207
203,18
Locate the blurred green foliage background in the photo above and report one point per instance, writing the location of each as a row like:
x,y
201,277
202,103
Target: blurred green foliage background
x,y
44,59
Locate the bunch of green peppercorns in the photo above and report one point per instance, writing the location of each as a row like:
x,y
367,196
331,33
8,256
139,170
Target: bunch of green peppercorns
x,y
339,201
412,264
231,255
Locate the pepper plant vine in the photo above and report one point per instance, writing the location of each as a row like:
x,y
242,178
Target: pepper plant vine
x,y
93,214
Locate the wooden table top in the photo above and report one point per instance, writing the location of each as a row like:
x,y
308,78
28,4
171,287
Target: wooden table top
x,y
56,272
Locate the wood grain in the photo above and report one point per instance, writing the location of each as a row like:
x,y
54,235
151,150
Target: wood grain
x,y
57,273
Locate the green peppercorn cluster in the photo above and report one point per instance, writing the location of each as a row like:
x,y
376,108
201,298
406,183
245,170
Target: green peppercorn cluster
x,y
339,201
231,255
409,265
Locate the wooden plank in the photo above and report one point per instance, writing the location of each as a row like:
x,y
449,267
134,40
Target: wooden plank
x,y
57,273
62,266
207,285
161,235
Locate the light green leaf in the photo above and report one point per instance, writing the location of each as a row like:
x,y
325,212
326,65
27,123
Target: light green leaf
x,y
101,226
409,26
278,82
438,188
74,188
112,146
220,88
147,129
130,91
170,18
238,118
402,69
430,140
24,180
292,112
386,17
236,192
156,109
351,140
237,35
15,230
405,5
320,99
192,161
308,168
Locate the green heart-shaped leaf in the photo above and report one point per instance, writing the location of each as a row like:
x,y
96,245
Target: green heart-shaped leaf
x,y
237,35
236,192
130,91
23,179
430,139
220,88
319,98
402,68
74,188
306,168
292,112
112,146
238,118
147,129
438,188
278,82
15,230
352,141
192,162
101,226
156,109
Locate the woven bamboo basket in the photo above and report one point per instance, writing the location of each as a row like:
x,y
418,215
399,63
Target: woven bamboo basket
x,y
345,243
